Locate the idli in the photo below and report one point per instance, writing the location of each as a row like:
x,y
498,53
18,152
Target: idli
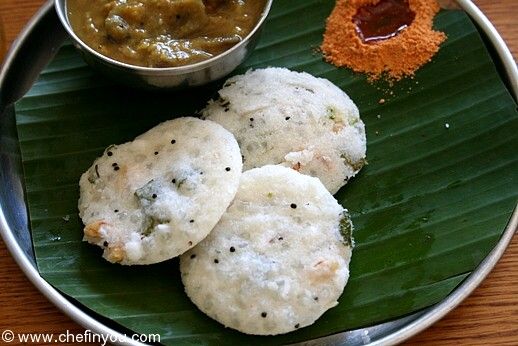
x,y
152,199
294,119
277,259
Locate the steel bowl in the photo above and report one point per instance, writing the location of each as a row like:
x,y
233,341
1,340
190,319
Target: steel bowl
x,y
170,77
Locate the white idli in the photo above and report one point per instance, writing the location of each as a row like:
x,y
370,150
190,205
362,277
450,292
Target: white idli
x,y
277,260
152,199
295,119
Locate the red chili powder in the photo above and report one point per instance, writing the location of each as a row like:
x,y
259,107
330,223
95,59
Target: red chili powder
x,y
395,57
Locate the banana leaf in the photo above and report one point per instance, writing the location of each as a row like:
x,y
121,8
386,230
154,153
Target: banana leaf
x,y
439,189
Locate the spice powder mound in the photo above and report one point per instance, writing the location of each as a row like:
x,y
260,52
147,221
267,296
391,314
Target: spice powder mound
x,y
393,58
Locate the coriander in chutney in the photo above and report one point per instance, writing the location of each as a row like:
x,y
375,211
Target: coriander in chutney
x,y
163,33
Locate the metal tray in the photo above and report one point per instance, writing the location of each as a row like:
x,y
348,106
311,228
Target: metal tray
x,y
36,46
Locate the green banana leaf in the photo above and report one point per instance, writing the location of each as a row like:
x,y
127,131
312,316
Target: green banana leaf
x,y
440,186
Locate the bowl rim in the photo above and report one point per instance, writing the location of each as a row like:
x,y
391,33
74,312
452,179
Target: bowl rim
x,y
425,319
60,6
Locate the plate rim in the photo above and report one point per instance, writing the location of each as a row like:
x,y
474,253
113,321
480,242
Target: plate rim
x,y
420,323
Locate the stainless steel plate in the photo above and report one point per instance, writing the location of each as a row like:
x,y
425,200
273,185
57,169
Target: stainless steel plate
x,y
33,50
